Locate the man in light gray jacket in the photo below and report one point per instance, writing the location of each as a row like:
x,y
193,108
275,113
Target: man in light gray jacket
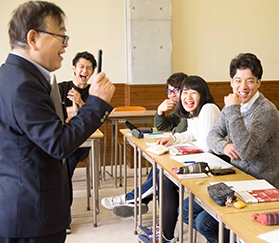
x,y
247,131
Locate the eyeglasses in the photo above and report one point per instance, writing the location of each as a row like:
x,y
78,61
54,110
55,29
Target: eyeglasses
x,y
65,37
174,91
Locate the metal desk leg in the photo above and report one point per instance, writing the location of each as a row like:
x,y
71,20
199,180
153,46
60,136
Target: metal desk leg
x,y
120,165
125,163
99,162
135,192
140,188
112,148
221,231
88,180
95,187
161,173
98,166
154,202
115,153
191,206
232,236
105,150
180,219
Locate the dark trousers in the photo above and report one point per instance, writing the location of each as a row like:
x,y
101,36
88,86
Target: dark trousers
x,y
77,156
59,237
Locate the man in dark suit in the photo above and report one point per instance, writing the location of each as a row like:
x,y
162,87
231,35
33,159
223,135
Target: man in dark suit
x,y
35,191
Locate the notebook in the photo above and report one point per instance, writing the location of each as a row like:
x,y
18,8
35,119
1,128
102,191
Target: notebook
x,y
259,195
184,149
254,191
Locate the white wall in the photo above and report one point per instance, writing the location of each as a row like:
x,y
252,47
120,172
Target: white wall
x,y
91,25
207,34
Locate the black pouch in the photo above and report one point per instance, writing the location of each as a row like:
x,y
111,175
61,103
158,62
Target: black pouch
x,y
198,167
220,192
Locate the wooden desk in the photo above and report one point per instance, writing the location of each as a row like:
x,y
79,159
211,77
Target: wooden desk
x,y
200,191
205,201
120,117
246,227
140,147
94,142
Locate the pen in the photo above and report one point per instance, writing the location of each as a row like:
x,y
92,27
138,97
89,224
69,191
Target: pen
x,y
156,133
189,162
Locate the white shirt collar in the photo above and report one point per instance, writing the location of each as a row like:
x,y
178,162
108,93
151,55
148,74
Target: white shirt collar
x,y
45,72
248,104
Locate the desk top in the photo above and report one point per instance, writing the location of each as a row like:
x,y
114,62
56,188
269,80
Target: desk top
x,y
121,114
97,134
200,190
246,227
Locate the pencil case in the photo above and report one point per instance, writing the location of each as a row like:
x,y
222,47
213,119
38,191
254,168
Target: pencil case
x,y
220,192
270,218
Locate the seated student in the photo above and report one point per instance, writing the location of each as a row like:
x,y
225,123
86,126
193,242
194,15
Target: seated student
x,y
198,106
171,121
251,123
123,205
74,94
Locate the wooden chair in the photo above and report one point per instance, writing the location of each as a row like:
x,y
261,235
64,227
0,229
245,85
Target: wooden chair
x,y
129,108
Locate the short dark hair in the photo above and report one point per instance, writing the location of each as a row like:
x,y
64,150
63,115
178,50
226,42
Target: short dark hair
x,y
87,56
176,80
246,61
196,83
31,15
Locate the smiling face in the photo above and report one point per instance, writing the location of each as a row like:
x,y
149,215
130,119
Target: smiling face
x,y
190,99
245,84
49,47
173,93
83,72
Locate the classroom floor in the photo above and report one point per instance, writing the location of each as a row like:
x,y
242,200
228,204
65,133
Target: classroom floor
x,y
111,228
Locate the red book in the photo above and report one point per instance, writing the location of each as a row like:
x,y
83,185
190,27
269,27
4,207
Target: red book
x,y
184,149
260,195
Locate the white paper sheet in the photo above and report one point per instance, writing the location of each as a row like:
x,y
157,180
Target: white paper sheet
x,y
247,185
211,159
272,236
157,135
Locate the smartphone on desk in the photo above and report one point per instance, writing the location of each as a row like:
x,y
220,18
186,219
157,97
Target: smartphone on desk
x,y
223,171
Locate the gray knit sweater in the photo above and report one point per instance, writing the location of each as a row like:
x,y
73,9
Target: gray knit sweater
x,y
255,136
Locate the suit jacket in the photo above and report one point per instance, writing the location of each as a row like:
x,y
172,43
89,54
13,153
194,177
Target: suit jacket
x,y
35,192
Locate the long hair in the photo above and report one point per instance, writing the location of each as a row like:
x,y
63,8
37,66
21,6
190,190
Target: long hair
x,y
196,83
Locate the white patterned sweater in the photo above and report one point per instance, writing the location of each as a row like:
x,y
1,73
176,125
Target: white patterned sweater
x,y
199,127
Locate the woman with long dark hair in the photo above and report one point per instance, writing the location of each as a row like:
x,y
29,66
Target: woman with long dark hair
x,y
198,106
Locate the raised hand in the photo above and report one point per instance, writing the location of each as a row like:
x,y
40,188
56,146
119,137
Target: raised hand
x,y
102,87
166,105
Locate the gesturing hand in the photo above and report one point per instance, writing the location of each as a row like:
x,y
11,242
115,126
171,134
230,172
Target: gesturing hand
x,y
74,96
102,87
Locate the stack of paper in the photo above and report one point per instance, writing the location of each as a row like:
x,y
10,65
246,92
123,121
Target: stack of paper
x,y
272,236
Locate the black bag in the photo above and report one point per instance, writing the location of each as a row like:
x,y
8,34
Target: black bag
x,y
220,192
